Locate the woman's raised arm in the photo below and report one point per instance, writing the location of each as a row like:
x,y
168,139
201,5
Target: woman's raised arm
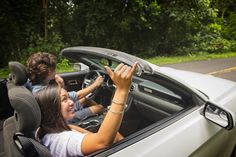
x,y
122,78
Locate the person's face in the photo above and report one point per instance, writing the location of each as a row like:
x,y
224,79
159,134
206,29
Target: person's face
x,y
67,105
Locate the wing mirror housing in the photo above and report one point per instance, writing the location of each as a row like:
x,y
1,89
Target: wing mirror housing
x,y
80,67
218,115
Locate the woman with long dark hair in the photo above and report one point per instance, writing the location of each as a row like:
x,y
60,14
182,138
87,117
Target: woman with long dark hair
x,y
67,140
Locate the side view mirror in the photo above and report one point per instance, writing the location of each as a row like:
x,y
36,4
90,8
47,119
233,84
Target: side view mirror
x,y
218,115
80,66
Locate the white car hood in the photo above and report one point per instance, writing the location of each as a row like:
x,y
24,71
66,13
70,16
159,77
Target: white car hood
x,y
215,88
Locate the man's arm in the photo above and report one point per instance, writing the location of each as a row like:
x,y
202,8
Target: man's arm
x,y
83,92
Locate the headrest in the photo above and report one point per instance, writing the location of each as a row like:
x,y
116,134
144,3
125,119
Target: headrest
x,y
18,73
27,111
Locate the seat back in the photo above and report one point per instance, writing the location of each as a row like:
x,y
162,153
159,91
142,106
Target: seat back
x,y
27,112
18,74
24,122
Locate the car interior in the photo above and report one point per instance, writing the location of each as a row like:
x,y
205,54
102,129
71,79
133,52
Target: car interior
x,y
153,99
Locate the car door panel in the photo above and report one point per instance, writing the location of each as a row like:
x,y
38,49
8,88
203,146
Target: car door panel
x,y
179,139
73,80
219,145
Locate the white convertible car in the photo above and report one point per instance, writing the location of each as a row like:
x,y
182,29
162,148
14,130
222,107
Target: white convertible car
x,y
170,113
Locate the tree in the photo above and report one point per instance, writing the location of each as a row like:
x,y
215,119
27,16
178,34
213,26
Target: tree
x,y
45,10
140,27
18,20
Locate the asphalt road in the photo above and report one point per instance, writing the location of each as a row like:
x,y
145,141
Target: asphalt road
x,y
223,68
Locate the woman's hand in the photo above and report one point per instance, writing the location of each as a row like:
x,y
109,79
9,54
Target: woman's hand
x,y
122,75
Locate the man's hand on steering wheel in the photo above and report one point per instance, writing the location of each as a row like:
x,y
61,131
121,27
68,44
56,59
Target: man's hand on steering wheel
x,y
93,80
98,81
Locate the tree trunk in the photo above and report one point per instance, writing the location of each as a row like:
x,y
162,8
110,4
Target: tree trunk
x,y
45,9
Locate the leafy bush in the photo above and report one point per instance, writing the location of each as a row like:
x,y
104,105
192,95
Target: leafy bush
x,y
38,44
210,40
64,66
229,29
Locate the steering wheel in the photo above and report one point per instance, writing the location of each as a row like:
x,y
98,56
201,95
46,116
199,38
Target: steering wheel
x,y
88,80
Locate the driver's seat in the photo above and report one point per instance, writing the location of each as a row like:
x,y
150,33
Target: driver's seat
x,y
18,130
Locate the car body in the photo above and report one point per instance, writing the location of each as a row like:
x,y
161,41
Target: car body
x,y
170,112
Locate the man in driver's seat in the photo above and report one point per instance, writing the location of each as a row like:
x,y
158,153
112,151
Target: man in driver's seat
x,y
41,69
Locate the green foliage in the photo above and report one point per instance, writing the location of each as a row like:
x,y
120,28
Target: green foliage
x,y
64,66
123,25
141,27
4,72
229,30
38,44
180,21
18,18
211,39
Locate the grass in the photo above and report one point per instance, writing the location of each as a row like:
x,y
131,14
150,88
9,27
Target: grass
x,y
159,60
188,58
4,73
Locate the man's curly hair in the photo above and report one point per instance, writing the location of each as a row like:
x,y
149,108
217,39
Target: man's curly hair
x,y
39,65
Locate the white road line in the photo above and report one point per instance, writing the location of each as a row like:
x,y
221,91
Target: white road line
x,y
222,71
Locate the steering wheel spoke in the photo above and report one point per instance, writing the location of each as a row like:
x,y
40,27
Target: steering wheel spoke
x,y
87,82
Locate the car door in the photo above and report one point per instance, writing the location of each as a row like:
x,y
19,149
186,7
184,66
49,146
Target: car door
x,y
189,136
73,80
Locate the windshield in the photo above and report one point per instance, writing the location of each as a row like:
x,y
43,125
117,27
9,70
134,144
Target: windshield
x,y
97,58
93,62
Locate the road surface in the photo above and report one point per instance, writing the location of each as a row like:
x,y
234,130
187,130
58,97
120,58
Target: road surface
x,y
223,68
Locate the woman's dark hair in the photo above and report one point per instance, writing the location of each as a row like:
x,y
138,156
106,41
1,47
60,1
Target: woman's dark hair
x,y
38,66
50,105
